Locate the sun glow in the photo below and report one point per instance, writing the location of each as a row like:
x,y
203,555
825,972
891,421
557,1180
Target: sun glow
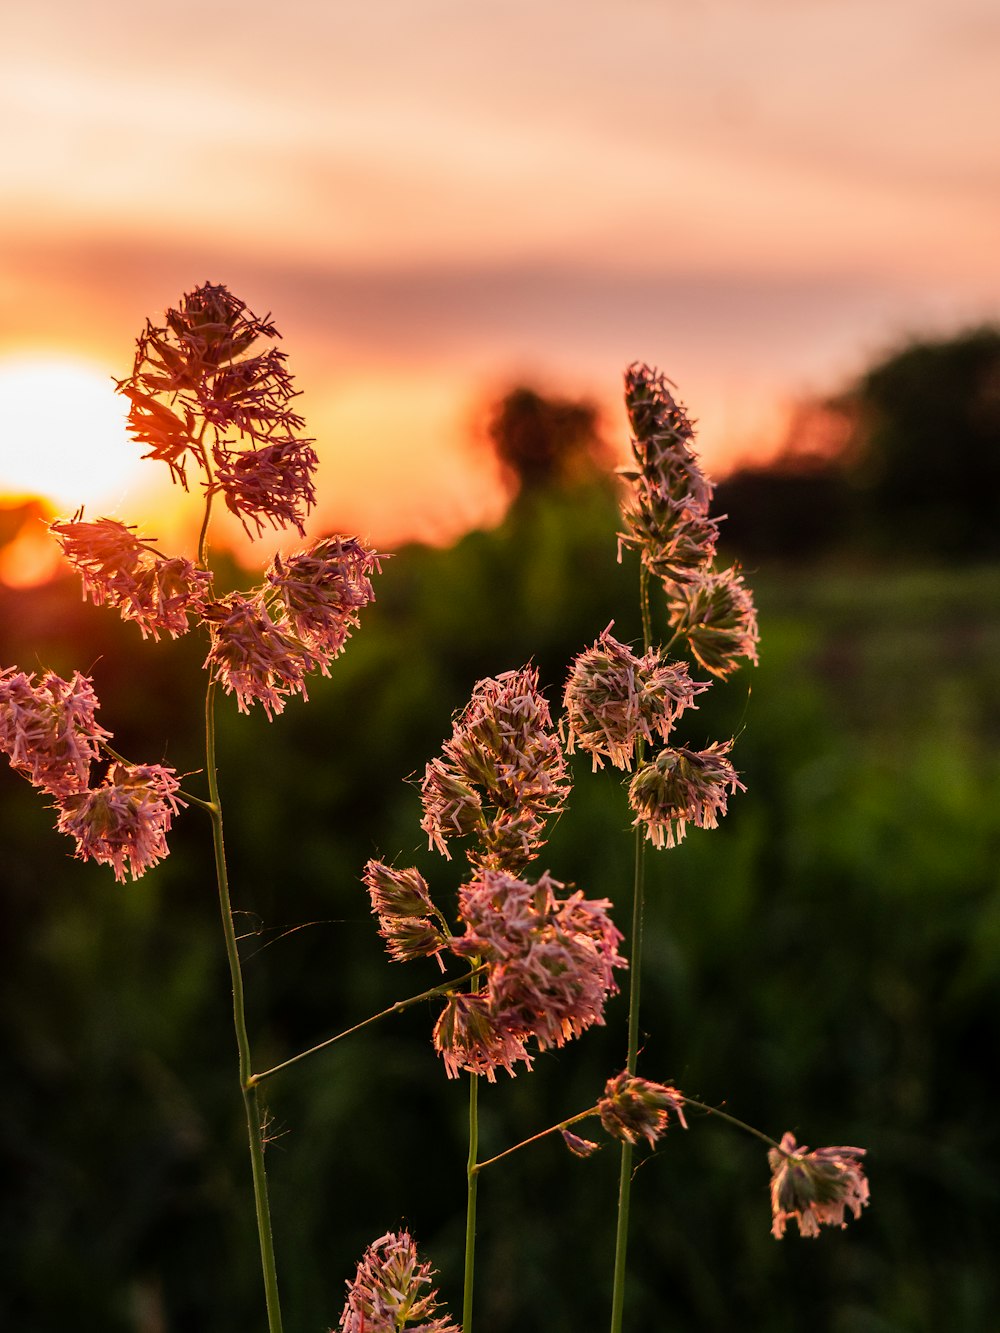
x,y
62,434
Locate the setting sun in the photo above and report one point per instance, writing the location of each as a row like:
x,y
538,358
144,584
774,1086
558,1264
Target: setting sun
x,y
62,434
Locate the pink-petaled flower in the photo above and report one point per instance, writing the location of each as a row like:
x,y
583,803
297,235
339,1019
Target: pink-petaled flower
x,y
683,786
468,1037
613,698
252,657
402,903
716,615
124,571
502,775
815,1188
125,819
323,589
268,484
49,729
634,1108
391,1292
551,959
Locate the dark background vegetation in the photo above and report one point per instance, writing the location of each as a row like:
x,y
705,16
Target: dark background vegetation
x,y
828,961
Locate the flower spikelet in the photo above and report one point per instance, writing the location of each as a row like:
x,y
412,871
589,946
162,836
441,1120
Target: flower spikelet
x,y
391,1292
578,1146
402,903
814,1188
322,590
502,775
634,1108
253,657
614,697
49,729
683,786
666,512
125,819
198,371
122,570
716,615
469,1037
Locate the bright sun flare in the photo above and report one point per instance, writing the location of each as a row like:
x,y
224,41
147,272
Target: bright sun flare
x,y
62,434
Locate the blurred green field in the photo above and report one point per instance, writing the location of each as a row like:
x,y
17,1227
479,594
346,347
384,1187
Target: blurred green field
x,y
828,962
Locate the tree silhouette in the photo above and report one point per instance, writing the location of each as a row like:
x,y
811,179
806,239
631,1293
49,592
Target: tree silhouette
x,y
542,443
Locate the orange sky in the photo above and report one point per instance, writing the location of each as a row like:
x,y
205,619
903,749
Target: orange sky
x,y
435,198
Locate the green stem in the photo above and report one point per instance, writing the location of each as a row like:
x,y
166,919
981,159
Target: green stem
x,y
542,1134
470,1212
732,1120
250,1104
441,989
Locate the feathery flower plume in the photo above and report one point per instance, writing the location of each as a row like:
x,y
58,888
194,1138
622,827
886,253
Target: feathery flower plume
x,y
321,591
195,374
402,903
391,1292
666,513
680,787
814,1188
716,615
124,571
633,1108
49,729
126,818
502,774
613,698
251,656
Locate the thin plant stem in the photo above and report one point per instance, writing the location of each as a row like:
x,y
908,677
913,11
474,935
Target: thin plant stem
x,y
732,1120
247,1087
470,1212
635,980
441,989
542,1134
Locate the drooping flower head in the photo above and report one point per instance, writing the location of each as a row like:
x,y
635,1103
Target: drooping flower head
x,y
321,591
614,697
199,370
815,1188
634,1108
683,786
502,775
49,729
391,1291
666,510
253,657
716,615
407,918
124,820
126,572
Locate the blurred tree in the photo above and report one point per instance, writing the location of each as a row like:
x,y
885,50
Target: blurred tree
x,y
542,443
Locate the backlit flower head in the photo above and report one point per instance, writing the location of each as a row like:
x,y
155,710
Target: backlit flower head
x,y
682,786
614,697
716,615
124,820
391,1292
49,730
469,1037
666,511
321,590
125,571
502,775
815,1188
402,903
253,657
634,1108
198,392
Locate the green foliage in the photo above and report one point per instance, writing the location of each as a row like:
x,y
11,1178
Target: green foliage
x,y
828,962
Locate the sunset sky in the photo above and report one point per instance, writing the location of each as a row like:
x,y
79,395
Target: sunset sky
x,y
437,198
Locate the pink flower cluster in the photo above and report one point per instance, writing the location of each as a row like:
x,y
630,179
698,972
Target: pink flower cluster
x,y
683,786
391,1291
634,1108
406,915
502,775
198,370
49,731
815,1188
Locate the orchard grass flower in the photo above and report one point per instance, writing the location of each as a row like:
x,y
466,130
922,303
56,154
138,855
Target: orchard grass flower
x,y
815,1188
501,777
321,591
634,1108
578,1146
468,1037
125,819
715,614
49,731
614,697
683,786
402,903
391,1292
199,393
253,657
124,571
